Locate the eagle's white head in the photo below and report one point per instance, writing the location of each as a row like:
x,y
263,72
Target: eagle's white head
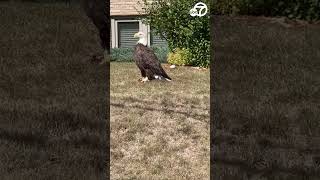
x,y
142,38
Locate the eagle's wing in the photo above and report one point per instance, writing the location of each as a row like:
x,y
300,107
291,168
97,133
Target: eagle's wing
x,y
150,61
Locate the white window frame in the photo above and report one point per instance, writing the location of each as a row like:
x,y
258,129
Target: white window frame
x,y
114,30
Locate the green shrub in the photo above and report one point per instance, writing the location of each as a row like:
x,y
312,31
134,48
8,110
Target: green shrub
x,y
180,57
161,52
171,20
200,53
126,54
122,54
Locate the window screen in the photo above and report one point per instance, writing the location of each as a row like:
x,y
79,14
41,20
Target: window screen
x,y
126,30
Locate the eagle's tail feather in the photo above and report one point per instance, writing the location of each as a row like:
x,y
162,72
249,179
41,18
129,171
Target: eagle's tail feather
x,y
165,75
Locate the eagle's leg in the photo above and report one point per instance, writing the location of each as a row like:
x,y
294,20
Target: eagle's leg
x,y
143,74
150,74
147,75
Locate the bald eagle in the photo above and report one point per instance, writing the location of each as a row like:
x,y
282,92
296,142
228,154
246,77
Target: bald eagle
x,y
147,61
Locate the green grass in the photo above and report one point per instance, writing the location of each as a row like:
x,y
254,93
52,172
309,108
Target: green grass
x,y
159,130
52,98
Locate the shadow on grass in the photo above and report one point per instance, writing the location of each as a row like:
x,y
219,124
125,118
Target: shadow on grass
x,y
164,102
167,111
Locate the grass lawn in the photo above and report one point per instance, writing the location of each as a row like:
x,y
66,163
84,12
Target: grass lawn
x,y
159,130
52,100
265,99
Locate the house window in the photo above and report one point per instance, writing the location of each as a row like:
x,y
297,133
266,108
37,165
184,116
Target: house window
x,y
126,31
156,40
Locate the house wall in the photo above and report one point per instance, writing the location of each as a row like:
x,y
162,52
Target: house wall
x,y
125,7
127,11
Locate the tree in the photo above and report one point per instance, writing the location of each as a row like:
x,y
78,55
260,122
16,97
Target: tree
x,y
171,20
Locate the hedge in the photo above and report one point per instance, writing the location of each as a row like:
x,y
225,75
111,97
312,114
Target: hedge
x,y
126,54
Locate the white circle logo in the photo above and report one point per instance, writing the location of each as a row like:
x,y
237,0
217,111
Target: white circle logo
x,y
198,9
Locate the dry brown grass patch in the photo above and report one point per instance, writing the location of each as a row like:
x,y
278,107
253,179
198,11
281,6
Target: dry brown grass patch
x,y
159,130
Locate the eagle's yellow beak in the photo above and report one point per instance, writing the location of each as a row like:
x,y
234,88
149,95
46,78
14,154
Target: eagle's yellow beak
x,y
135,35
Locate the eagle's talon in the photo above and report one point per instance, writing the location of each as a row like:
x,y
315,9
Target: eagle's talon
x,y
144,80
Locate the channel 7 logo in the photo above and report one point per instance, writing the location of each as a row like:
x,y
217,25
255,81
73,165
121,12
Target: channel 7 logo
x,y
200,9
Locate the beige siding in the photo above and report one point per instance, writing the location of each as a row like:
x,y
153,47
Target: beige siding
x,y
125,7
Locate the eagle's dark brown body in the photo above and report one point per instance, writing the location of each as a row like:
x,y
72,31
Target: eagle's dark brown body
x,y
148,62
